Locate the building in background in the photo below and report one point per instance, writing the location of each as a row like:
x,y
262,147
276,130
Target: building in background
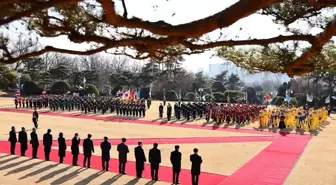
x,y
215,69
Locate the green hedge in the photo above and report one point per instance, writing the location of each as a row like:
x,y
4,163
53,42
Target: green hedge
x,y
190,96
30,88
92,89
278,100
60,87
219,97
171,95
209,97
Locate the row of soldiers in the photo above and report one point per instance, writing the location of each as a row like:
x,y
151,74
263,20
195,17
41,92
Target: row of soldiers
x,y
154,155
87,104
219,113
30,102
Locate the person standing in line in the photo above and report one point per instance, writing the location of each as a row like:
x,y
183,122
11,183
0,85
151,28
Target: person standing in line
x,y
105,148
88,149
47,143
140,159
23,140
75,149
154,158
35,118
12,139
34,142
161,111
122,148
196,162
169,111
61,147
175,159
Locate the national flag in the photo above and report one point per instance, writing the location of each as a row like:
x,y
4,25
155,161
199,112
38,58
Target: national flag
x,y
126,95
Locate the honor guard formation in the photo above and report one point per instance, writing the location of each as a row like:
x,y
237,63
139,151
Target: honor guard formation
x,y
219,113
272,117
89,104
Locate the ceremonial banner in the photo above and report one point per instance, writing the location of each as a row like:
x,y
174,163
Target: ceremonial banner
x,y
309,98
288,98
17,93
132,95
138,95
327,100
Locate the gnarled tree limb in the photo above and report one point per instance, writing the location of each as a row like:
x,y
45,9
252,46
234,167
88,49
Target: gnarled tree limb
x,y
319,41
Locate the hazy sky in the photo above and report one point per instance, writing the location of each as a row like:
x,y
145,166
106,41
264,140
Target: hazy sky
x,y
182,11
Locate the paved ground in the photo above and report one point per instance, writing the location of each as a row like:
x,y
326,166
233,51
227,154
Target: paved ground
x,y
230,155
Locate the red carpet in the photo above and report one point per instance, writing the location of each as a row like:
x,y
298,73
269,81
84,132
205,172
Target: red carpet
x,y
270,167
273,164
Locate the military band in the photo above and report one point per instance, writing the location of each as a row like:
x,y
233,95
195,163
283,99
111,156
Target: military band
x,y
219,113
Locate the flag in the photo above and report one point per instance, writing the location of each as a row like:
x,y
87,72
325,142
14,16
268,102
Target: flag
x,y
132,94
125,95
309,98
138,95
22,86
327,100
84,80
150,93
288,98
333,97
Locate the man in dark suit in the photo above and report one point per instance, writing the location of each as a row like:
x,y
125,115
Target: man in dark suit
x,y
23,140
161,111
47,143
169,111
35,118
154,160
175,159
196,162
34,142
140,159
105,147
122,148
88,149
75,149
12,139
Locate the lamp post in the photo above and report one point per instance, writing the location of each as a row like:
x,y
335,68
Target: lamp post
x,y
19,78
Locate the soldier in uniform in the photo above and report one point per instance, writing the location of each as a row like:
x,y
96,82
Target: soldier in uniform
x,y
16,102
177,111
169,111
161,111
143,109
